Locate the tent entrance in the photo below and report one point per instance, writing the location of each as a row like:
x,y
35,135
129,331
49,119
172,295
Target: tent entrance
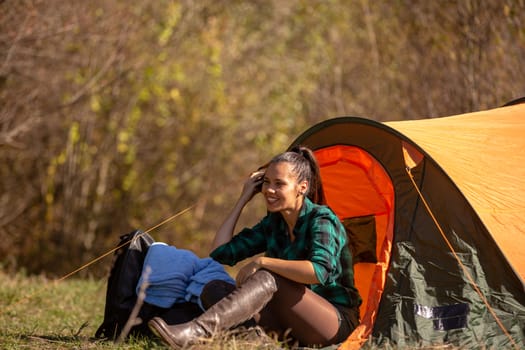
x,y
361,193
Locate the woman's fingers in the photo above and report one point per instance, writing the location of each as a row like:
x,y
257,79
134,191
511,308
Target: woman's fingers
x,y
246,272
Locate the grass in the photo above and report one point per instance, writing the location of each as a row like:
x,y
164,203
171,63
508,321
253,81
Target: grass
x,y
38,313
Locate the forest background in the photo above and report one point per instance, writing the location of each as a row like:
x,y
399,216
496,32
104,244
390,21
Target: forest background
x,y
115,115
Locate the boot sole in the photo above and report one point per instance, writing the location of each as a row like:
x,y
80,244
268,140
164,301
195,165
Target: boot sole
x,y
158,328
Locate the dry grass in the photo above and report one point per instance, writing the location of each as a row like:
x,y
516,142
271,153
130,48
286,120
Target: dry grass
x,y
38,313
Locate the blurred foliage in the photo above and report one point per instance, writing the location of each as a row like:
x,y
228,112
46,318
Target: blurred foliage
x,y
114,115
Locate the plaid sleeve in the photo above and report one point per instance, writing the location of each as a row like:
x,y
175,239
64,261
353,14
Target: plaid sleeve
x,y
327,243
248,242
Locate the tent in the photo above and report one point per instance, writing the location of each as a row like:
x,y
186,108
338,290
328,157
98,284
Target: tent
x,y
435,212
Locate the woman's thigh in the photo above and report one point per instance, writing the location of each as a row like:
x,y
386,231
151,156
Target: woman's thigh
x,y
308,317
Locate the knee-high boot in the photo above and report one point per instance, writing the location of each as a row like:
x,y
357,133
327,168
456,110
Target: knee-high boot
x,y
239,306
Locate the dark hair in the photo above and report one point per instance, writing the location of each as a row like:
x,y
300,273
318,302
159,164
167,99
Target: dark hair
x,y
305,166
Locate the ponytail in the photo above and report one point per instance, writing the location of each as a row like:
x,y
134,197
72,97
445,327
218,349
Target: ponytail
x,y
315,189
305,166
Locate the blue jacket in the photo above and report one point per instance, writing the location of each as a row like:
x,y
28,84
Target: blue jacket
x,y
177,275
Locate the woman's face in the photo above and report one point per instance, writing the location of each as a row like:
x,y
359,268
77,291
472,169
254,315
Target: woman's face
x,y
281,190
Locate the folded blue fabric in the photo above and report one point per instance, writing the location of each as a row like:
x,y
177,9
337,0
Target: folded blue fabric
x,y
206,270
177,275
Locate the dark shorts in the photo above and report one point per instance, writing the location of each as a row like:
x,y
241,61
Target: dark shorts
x,y
348,321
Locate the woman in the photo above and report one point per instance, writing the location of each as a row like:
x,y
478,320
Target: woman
x,y
303,284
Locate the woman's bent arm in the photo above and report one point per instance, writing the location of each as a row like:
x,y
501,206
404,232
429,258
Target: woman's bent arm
x,y
225,232
301,271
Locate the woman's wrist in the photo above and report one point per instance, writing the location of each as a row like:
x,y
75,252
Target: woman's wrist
x,y
260,262
244,198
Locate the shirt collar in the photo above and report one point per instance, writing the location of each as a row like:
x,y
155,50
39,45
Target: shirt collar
x,y
305,210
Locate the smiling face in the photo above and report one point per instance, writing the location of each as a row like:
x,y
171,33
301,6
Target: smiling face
x,y
281,190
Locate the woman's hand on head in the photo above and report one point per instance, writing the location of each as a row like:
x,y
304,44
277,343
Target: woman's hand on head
x,y
252,185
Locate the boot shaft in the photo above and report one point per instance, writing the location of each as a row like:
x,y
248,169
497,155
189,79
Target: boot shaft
x,y
241,304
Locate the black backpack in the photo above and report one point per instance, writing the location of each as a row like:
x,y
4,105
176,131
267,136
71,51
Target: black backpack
x,y
122,282
121,294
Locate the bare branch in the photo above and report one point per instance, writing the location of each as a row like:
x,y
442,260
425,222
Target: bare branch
x,y
133,319
11,50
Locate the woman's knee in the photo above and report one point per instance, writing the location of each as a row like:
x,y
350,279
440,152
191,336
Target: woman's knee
x,y
214,291
288,292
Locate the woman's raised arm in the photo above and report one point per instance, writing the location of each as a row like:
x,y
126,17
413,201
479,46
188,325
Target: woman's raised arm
x,y
225,232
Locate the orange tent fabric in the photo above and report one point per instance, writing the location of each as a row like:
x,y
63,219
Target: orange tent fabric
x,y
346,167
484,154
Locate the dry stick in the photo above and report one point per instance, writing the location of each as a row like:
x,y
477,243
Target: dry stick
x,y
133,319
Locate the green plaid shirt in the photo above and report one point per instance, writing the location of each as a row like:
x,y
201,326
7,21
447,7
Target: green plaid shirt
x,y
319,237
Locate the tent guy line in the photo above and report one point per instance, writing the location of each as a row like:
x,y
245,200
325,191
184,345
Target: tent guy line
x,y
115,249
91,262
465,270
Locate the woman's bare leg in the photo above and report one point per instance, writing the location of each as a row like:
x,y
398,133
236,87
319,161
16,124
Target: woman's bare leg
x,y
310,318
